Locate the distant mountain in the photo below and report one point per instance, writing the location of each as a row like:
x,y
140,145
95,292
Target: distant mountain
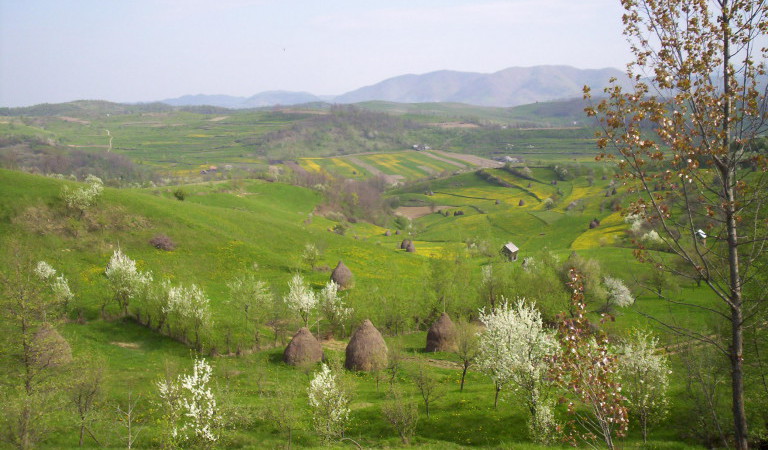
x,y
262,99
509,87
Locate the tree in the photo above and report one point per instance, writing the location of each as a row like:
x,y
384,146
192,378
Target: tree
x,y
516,350
467,347
126,282
332,305
618,293
191,404
81,199
587,370
428,386
85,393
697,76
329,402
310,255
644,374
190,306
401,413
35,355
300,298
255,299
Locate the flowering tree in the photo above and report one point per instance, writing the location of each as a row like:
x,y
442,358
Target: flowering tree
x,y
300,298
330,404
190,404
586,369
687,134
125,280
618,292
644,374
254,298
310,255
82,198
332,305
515,350
58,285
189,306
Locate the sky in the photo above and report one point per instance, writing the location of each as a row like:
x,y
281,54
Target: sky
x,y
54,51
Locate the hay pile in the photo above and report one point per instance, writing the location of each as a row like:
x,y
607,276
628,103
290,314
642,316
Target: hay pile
x,y
387,233
366,350
404,244
410,248
303,349
441,336
49,348
521,203
342,276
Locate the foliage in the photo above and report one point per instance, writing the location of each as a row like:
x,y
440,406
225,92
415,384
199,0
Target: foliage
x,y
428,386
644,374
618,292
467,347
254,298
310,255
516,350
329,403
189,306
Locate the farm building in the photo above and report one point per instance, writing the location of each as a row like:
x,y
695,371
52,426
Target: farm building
x,y
510,251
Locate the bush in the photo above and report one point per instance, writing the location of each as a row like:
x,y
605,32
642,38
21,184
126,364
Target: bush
x,y
162,242
180,194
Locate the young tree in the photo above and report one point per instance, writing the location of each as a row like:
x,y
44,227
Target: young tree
x,y
516,350
698,75
85,393
644,374
191,404
586,369
300,298
329,402
401,413
255,299
332,305
36,353
190,306
283,413
310,255
428,386
467,347
126,282
618,293
58,286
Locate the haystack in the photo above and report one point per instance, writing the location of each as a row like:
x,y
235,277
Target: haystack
x,y
410,248
303,349
342,276
441,336
521,202
366,350
387,233
404,244
49,348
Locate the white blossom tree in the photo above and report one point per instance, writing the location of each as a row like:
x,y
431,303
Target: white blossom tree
x,y
191,406
81,199
618,292
329,402
332,305
57,284
644,374
300,298
515,350
125,280
189,307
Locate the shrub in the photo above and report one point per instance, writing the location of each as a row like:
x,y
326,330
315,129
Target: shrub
x,y
180,194
162,242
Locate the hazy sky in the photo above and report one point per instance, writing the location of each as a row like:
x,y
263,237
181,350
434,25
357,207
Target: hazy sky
x,y
142,50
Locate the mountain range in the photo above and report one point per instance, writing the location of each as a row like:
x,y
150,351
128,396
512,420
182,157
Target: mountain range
x,y
509,87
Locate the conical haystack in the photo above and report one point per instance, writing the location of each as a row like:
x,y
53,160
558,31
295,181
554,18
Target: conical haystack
x,y
303,349
521,202
342,276
49,348
366,350
404,244
410,248
441,336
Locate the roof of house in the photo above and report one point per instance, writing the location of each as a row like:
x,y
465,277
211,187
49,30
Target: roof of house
x,y
511,247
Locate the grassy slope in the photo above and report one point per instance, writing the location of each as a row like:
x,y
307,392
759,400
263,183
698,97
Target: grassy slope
x,y
222,228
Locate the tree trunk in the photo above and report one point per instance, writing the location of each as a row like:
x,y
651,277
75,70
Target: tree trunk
x,y
463,375
496,399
